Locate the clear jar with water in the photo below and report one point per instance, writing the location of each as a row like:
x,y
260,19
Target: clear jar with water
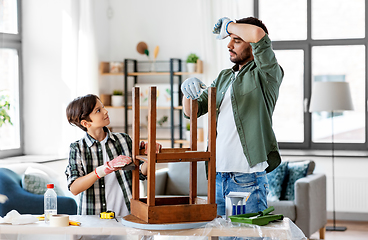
x,y
50,202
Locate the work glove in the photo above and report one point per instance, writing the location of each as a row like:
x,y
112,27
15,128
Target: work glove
x,y
144,145
220,28
113,165
192,88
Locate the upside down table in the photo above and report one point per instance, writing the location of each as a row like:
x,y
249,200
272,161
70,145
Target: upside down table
x,y
92,227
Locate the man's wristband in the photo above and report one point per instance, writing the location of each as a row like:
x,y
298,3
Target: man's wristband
x,y
227,24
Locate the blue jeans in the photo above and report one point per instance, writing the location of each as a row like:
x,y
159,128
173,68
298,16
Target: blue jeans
x,y
255,183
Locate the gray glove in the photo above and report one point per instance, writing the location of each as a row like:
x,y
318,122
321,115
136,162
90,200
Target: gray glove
x,y
192,88
220,28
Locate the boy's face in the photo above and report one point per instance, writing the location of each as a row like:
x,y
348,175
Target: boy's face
x,y
99,116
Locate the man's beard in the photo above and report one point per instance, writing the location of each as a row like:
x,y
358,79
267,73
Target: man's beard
x,y
243,58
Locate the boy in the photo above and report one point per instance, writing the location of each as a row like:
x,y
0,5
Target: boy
x,y
96,160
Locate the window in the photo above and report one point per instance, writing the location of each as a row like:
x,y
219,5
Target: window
x,y
10,79
318,40
289,123
340,64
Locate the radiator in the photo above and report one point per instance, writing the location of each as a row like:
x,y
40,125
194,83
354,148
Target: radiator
x,y
351,194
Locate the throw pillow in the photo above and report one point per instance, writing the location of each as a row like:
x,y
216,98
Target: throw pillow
x,y
296,170
35,180
275,180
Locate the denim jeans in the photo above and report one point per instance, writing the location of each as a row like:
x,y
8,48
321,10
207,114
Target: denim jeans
x,y
255,183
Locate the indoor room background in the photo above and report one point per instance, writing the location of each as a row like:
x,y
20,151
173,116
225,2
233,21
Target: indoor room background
x,y
63,42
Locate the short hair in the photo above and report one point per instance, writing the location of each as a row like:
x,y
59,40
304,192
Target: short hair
x,y
253,21
80,108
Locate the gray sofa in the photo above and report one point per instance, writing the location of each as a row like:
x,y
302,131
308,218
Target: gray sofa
x,y
307,211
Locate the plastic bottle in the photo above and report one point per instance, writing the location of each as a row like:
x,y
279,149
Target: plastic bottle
x,y
50,202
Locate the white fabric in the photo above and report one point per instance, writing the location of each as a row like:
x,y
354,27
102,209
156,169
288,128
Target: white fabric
x,y
229,151
15,218
79,58
113,193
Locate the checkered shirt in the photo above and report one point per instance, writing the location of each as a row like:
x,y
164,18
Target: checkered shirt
x,y
85,155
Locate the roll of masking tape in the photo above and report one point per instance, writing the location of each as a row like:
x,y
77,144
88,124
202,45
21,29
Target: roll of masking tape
x,y
59,220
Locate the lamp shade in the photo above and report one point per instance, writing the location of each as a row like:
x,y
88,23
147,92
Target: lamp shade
x,y
330,96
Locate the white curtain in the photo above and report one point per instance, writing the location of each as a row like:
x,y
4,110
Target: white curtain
x,y
79,56
79,53
87,67
215,53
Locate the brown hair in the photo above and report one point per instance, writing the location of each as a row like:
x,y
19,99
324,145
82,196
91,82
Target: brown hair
x,y
80,108
254,21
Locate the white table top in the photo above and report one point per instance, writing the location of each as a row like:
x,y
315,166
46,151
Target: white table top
x,y
93,225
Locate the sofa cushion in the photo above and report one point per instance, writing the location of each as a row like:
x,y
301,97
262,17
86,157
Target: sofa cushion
x,y
35,181
178,179
286,208
311,167
275,182
296,170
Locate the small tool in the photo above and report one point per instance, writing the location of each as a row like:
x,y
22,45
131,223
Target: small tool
x,y
108,215
258,218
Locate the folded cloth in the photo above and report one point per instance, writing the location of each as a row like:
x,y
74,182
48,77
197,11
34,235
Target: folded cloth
x,y
15,218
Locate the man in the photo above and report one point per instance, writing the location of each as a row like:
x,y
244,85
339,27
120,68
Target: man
x,y
246,147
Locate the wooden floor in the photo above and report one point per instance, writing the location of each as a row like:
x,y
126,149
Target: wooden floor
x,y
355,231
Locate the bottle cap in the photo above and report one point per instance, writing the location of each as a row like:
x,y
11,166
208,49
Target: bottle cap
x,y
51,185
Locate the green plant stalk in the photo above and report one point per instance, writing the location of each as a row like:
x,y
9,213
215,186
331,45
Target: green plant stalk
x,y
4,108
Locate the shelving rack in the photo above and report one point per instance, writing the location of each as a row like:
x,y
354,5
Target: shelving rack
x,y
175,73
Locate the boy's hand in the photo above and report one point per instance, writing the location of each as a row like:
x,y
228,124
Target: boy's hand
x,y
119,161
113,165
144,145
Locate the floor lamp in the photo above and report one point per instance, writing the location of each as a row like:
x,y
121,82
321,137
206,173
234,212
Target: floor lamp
x,y
331,97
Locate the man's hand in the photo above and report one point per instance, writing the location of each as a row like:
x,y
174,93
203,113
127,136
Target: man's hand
x,y
113,165
191,88
220,28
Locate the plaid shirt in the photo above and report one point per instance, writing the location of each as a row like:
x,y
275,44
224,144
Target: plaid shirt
x,y
85,155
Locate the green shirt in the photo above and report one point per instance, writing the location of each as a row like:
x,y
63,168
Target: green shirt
x,y
253,97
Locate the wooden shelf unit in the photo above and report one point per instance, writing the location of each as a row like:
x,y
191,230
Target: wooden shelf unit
x,y
105,70
130,70
146,107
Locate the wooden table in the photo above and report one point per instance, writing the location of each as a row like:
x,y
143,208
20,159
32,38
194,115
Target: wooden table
x,y
93,225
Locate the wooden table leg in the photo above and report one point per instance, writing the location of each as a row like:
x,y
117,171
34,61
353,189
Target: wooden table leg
x,y
322,232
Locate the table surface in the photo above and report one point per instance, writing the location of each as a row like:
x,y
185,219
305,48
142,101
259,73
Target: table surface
x,y
93,225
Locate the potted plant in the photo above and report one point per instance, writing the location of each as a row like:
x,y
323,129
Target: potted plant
x,y
117,99
192,62
4,108
187,132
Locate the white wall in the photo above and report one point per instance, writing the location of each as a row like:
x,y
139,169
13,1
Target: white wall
x,y
172,25
44,93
